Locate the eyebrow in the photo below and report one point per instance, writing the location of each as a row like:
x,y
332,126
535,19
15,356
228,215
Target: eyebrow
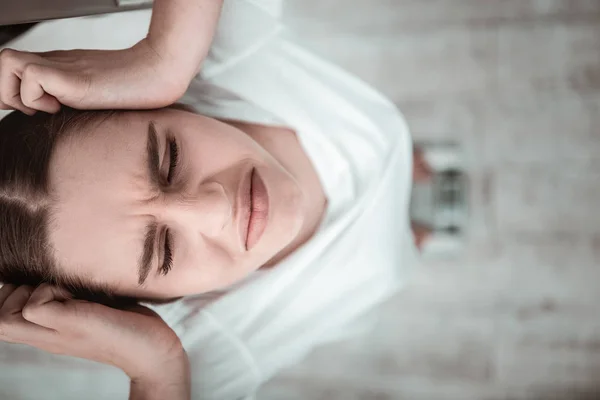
x,y
152,156
152,160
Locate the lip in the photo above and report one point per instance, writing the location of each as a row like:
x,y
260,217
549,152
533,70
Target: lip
x,y
244,207
259,214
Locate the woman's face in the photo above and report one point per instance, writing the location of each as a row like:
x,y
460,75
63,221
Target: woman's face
x,y
168,203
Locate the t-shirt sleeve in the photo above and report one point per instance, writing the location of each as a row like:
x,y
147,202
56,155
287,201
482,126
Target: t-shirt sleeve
x,y
244,26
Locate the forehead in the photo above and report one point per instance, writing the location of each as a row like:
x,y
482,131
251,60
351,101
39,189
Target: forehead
x,y
105,161
99,183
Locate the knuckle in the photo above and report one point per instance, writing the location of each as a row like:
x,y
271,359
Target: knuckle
x,y
29,71
8,55
29,311
26,100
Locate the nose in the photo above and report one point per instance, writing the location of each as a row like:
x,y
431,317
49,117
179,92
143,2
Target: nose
x,y
208,210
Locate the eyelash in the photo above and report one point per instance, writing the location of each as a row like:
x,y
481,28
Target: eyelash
x,y
168,260
174,158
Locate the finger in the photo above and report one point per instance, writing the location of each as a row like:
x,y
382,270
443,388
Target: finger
x,y
45,102
37,306
12,87
12,63
53,308
15,302
68,316
46,293
66,87
33,94
6,291
16,329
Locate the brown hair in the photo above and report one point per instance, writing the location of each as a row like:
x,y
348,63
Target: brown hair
x,y
26,147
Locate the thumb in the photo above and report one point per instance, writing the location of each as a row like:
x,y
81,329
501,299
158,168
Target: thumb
x,y
46,305
45,87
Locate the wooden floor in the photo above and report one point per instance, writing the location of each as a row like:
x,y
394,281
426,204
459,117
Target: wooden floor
x,y
517,82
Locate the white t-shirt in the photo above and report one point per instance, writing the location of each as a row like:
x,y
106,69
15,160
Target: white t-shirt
x,y
361,254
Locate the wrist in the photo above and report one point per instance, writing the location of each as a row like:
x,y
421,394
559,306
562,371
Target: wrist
x,y
177,22
180,62
167,379
167,68
154,364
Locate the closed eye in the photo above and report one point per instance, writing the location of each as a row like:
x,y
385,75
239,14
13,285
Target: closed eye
x,y
168,259
173,158
173,149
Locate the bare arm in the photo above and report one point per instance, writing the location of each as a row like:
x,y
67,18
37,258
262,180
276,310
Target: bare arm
x,y
152,74
178,23
135,340
171,381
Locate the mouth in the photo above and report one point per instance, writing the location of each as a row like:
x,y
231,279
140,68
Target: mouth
x,y
259,210
254,204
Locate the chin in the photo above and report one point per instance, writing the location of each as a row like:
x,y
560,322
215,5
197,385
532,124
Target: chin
x,y
297,214
287,221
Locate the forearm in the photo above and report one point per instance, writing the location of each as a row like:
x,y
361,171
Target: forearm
x,y
171,381
182,31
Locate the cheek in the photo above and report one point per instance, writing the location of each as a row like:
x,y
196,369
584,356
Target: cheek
x,y
218,148
199,275
202,265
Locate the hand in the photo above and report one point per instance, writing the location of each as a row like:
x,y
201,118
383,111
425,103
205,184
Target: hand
x,y
136,341
134,78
